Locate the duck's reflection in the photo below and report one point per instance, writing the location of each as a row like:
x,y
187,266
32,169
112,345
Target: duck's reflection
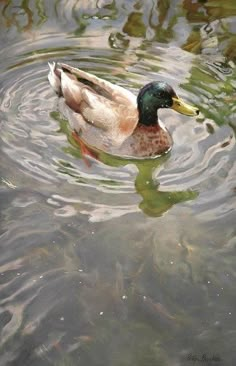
x,y
156,202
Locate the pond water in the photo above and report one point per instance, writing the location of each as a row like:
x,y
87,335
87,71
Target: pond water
x,y
112,262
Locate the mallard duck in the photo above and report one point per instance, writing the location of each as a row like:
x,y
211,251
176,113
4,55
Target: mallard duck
x,y
110,118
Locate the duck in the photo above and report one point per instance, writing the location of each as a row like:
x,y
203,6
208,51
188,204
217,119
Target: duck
x,y
107,117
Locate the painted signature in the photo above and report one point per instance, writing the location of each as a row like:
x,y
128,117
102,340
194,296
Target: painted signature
x,y
204,358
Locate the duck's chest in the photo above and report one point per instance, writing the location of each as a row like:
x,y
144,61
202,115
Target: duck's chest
x,y
148,141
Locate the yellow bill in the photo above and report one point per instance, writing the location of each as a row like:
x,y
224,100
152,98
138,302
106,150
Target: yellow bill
x,y
180,106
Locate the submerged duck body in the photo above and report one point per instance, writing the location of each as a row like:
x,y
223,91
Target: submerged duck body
x,y
110,118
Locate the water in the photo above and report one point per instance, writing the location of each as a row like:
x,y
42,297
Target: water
x,y
116,262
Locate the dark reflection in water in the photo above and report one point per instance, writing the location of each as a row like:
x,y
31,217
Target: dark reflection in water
x,y
113,262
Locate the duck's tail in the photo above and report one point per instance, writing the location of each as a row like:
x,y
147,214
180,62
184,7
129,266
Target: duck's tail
x,y
54,77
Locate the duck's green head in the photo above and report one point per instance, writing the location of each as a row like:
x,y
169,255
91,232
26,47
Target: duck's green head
x,y
157,95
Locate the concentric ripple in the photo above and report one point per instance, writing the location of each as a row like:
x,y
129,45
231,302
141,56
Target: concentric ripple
x,y
33,136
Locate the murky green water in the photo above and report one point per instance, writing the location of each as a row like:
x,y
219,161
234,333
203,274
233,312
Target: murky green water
x,y
111,262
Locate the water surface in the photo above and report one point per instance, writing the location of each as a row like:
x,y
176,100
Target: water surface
x,y
117,262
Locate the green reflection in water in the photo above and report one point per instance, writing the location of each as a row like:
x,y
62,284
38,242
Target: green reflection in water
x,y
148,21
216,90
154,201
